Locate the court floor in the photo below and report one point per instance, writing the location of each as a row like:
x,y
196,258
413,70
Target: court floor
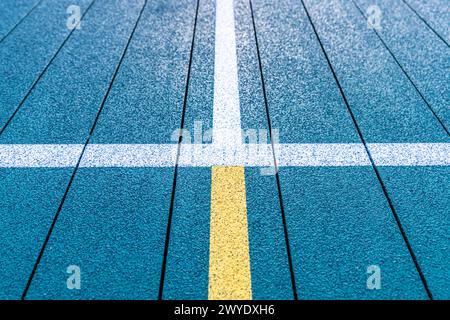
x,y
201,149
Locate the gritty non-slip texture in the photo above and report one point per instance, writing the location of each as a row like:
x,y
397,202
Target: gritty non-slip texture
x,y
13,13
28,50
139,228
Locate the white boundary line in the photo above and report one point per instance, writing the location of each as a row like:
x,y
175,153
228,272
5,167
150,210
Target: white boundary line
x,y
227,148
195,155
226,111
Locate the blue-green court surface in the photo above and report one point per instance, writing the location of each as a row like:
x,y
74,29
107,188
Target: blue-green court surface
x,y
138,223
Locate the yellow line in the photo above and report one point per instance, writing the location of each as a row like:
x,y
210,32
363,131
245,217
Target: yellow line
x,y
229,260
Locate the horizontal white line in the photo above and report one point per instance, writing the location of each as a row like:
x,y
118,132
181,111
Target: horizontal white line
x,y
410,154
252,155
39,155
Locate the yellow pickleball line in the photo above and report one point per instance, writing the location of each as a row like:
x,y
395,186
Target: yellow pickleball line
x,y
229,260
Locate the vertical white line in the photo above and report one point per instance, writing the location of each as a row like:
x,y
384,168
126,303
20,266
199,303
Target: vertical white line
x,y
227,115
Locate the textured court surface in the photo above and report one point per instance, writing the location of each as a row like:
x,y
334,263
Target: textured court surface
x,y
92,173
